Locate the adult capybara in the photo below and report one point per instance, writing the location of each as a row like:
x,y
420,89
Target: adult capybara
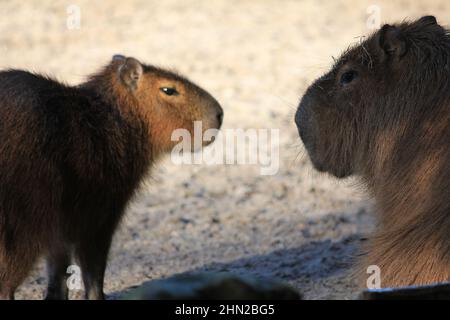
x,y
383,113
71,158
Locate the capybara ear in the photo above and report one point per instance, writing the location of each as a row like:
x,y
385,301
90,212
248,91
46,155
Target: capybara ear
x,y
118,57
130,73
428,20
391,42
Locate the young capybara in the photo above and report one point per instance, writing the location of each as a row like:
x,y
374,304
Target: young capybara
x,y
71,159
383,113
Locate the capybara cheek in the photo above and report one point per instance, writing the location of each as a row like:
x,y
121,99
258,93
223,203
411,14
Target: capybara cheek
x,y
165,135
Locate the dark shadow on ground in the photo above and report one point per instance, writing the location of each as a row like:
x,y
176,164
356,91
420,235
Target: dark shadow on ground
x,y
309,267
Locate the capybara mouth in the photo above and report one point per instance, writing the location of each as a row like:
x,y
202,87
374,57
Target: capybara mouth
x,y
209,142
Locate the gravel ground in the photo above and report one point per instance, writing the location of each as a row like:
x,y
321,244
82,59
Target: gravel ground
x,y
256,57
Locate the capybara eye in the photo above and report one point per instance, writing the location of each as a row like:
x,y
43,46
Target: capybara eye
x,y
170,91
348,77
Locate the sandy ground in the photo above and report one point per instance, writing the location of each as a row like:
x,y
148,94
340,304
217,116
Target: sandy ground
x,y
256,57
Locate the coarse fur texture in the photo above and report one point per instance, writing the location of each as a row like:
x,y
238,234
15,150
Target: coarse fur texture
x,y
71,159
383,113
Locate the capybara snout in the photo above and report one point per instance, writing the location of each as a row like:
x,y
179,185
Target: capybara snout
x,y
325,127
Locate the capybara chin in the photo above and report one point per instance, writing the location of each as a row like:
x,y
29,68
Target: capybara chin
x,y
383,113
71,158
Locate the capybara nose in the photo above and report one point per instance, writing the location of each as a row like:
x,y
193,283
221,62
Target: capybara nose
x,y
220,116
303,117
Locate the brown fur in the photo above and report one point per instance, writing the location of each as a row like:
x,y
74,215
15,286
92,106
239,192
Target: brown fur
x,y
383,113
71,159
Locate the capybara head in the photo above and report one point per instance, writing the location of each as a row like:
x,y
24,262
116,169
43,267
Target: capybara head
x,y
167,100
390,84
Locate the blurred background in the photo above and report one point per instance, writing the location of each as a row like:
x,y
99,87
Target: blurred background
x,y
257,58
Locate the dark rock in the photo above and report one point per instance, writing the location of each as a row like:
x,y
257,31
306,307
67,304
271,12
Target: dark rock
x,y
213,286
439,291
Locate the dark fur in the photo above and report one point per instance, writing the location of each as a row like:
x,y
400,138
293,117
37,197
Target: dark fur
x,y
391,126
71,159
